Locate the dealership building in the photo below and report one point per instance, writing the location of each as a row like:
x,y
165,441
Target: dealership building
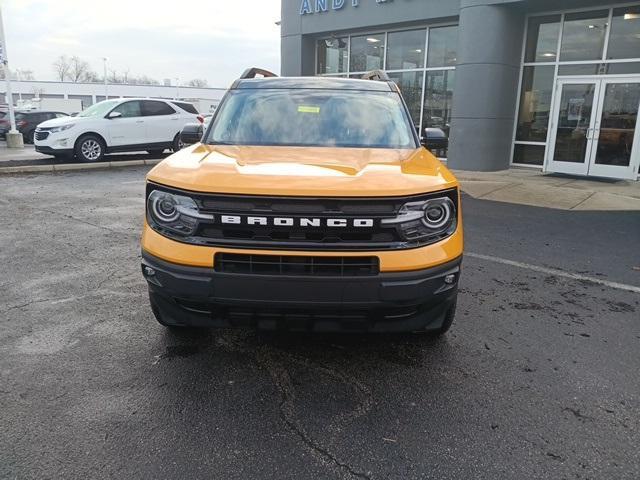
x,y
546,84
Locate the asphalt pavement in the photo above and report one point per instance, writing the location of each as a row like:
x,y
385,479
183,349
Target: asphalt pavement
x,y
538,378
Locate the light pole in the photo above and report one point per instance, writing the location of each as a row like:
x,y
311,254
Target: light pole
x,y
106,88
177,88
14,137
19,73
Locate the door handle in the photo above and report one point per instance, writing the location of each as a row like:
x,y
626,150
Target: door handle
x,y
587,136
139,121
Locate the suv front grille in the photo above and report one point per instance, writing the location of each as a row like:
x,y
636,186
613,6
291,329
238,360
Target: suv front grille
x,y
41,135
298,234
296,265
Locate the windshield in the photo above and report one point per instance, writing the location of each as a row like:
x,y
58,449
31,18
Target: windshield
x,y
99,109
312,118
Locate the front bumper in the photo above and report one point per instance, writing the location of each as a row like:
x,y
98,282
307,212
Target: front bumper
x,y
53,151
387,302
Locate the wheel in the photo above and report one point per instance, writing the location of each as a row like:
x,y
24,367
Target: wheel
x,y
163,320
177,144
90,148
155,152
28,138
448,321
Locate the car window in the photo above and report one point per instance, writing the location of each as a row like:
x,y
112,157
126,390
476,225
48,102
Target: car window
x,y
129,109
187,107
151,108
323,118
99,109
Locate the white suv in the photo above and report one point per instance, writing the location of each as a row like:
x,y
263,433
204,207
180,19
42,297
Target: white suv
x,y
118,125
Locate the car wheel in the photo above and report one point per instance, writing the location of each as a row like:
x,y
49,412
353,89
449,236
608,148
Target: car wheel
x,y
448,321
162,319
177,143
90,148
29,137
155,152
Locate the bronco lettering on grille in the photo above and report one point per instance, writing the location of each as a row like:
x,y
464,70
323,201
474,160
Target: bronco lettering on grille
x,y
298,222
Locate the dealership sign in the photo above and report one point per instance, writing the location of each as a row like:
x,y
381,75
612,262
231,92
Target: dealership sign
x,y
317,6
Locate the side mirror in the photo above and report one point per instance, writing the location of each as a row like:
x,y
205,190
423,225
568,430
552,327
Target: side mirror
x,y
435,139
191,133
113,115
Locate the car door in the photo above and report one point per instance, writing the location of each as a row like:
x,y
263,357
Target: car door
x,y
129,128
162,121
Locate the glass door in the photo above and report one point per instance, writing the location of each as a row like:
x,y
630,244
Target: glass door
x,y
616,149
572,130
595,127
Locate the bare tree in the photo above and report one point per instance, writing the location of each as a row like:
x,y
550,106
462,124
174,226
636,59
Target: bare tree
x,y
26,75
79,69
113,76
62,67
198,82
125,75
145,80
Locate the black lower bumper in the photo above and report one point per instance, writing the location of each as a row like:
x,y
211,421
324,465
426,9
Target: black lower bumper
x,y
388,302
58,152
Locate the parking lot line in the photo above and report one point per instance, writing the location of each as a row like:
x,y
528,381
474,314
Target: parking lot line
x,y
554,272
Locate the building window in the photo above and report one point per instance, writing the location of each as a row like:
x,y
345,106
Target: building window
x,y
438,99
333,55
443,46
425,78
410,84
583,35
367,53
542,39
624,41
405,50
529,154
535,103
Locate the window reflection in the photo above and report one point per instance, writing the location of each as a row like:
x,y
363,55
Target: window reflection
x,y
624,41
438,100
542,39
367,53
410,84
535,103
405,50
333,55
443,46
583,35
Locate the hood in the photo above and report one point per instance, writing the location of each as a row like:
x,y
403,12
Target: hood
x,y
298,171
58,122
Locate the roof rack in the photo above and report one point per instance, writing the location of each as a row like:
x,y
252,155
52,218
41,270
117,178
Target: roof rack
x,y
252,72
379,75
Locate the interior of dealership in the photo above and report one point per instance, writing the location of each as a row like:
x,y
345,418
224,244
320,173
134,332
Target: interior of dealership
x,y
576,81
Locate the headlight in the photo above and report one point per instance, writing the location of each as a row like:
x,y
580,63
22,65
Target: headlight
x,y
62,128
425,221
176,213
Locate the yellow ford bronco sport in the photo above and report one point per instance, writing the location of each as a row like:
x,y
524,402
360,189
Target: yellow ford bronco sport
x,y
308,205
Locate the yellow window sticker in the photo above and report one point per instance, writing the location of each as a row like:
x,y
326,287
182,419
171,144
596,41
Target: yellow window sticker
x,y
308,109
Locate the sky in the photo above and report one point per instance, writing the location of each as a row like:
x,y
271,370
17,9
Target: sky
x,y
211,39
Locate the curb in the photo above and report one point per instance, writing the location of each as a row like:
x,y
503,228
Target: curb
x,y
65,167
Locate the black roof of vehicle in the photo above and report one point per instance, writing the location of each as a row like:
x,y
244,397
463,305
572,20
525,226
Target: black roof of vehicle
x,y
320,83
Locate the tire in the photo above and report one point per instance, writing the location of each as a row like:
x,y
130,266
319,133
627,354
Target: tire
x,y
448,321
155,152
177,144
29,137
90,148
172,327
